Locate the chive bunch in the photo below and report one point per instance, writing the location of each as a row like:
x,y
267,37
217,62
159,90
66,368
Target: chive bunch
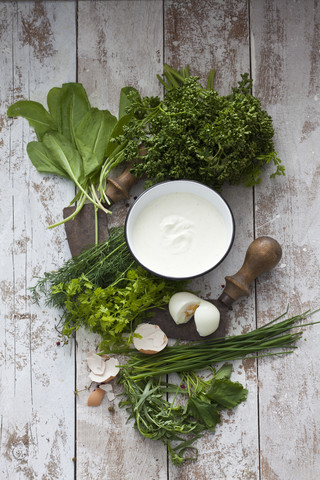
x,y
275,338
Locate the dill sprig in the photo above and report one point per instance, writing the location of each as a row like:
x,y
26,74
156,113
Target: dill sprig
x,y
101,264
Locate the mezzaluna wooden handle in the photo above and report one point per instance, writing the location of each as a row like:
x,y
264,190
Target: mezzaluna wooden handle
x,y
119,188
262,255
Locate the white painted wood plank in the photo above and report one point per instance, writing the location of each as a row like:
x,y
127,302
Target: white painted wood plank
x,y
37,377
215,35
120,43
286,65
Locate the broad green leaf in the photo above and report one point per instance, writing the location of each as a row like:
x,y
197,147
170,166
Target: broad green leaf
x,y
92,136
54,105
203,411
125,101
226,393
117,130
64,155
68,105
224,372
43,161
36,114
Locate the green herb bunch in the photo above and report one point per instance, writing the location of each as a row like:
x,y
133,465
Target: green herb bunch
x,y
196,134
274,338
101,264
116,309
104,290
178,424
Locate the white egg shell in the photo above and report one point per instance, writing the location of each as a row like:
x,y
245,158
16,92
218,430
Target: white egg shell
x,y
109,391
111,370
96,363
152,340
182,306
206,318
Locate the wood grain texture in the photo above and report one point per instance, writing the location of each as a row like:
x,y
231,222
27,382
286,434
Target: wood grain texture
x,y
37,377
274,435
286,63
215,35
121,44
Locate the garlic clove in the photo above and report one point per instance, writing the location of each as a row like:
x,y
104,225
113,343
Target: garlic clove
x,y
206,318
152,340
182,306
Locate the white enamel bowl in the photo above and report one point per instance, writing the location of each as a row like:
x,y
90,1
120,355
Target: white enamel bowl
x,y
164,268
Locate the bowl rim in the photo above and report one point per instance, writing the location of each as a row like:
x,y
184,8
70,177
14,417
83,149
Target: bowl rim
x,y
170,277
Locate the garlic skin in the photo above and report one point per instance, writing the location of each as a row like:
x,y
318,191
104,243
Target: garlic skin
x,y
206,318
182,306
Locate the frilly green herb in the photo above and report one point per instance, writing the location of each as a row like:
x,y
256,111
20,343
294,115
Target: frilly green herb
x,y
194,133
104,290
116,309
101,264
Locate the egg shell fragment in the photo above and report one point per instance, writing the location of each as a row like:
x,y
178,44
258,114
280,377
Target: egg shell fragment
x,y
95,397
182,306
96,363
206,318
109,391
152,340
111,370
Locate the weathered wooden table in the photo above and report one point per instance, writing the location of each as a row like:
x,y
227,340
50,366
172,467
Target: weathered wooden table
x,y
46,431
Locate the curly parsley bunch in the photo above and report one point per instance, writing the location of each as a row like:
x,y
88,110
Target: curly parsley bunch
x,y
196,134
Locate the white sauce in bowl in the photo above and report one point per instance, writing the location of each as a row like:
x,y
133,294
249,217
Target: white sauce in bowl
x,y
179,235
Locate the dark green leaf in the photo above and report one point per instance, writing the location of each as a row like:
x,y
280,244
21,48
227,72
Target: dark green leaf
x,y
43,161
64,155
227,394
204,411
125,101
224,372
54,105
36,114
92,136
117,131
68,105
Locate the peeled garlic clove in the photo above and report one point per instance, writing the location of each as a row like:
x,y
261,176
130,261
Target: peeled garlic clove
x,y
95,363
206,318
152,340
182,306
95,397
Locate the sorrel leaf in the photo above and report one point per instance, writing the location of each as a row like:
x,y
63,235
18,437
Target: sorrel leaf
x,y
92,136
36,114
